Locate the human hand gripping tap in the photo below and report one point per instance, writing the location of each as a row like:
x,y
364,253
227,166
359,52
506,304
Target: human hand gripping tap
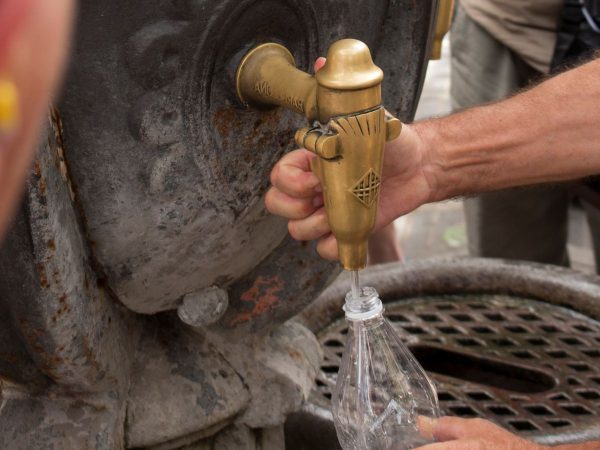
x,y
547,134
296,192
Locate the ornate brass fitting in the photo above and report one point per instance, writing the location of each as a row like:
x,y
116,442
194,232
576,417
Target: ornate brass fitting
x,y
346,96
443,22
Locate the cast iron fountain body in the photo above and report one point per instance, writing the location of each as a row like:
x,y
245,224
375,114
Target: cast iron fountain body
x,y
145,291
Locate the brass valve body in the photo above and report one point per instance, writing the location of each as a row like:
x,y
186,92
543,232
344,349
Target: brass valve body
x,y
346,96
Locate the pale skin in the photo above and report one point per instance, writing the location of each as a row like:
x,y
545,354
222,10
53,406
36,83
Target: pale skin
x,y
34,37
453,433
550,133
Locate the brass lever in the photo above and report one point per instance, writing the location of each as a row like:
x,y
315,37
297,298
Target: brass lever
x,y
345,98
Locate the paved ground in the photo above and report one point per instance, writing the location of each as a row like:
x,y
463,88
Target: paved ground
x,y
439,229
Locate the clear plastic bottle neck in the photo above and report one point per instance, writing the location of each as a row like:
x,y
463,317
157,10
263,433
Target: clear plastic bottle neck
x,y
364,307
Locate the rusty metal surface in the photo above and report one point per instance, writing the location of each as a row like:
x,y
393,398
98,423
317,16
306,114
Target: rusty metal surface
x,y
76,364
276,289
76,334
180,386
143,197
50,422
169,170
278,369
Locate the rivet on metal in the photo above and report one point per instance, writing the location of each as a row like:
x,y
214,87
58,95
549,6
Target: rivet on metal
x,y
203,307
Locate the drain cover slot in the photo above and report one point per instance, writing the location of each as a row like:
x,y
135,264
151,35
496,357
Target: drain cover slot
x,y
482,370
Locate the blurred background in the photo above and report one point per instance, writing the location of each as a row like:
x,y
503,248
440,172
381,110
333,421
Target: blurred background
x,y
439,228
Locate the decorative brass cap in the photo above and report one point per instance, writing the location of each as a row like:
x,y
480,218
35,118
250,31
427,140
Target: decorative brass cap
x,y
349,67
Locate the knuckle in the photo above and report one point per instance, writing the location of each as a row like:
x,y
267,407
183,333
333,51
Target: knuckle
x,y
478,422
322,224
295,184
273,201
307,209
275,173
323,254
269,200
293,230
325,251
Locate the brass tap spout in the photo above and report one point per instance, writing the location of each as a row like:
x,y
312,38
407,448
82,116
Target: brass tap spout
x,y
268,76
346,96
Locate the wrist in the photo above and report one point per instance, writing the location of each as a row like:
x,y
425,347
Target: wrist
x,y
433,163
462,155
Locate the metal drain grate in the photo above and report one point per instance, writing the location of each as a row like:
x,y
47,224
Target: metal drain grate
x,y
526,365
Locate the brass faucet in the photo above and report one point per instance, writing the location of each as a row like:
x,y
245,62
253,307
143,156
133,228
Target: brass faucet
x,y
349,129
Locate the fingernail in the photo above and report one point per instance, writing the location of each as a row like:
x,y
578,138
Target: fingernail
x,y
9,107
318,201
318,188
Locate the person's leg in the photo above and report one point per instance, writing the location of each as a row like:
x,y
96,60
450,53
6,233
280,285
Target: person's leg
x,y
482,69
523,223
593,218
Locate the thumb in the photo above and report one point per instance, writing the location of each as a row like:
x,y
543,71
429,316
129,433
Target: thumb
x,y
452,428
319,63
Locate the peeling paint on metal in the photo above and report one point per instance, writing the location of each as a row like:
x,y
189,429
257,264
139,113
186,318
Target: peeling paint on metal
x,y
262,296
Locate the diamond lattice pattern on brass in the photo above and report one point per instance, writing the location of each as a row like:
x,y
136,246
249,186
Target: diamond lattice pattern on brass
x,y
367,189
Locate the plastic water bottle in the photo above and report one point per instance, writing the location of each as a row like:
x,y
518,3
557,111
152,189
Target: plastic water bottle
x,y
381,389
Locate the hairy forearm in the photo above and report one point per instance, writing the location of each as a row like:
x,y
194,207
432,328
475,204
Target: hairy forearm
x,y
549,133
